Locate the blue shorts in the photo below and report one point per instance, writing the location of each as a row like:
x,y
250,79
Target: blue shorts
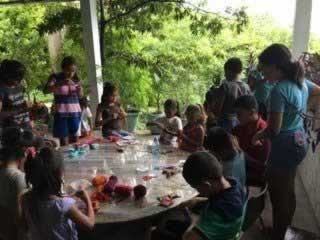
x,y
288,150
65,126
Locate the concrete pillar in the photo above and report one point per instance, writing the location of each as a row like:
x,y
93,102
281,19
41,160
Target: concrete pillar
x,y
301,32
92,47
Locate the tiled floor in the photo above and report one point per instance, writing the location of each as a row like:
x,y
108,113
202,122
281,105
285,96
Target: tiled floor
x,y
304,224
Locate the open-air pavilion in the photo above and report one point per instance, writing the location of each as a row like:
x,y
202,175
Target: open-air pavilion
x,y
308,212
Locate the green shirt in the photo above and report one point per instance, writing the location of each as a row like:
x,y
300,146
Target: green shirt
x,y
222,218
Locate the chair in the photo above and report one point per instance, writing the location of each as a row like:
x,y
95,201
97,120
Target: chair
x,y
254,208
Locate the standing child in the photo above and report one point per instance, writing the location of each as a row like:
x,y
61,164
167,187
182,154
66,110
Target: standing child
x,y
67,90
226,148
222,216
45,212
192,137
12,184
229,91
250,123
171,124
86,118
13,107
110,116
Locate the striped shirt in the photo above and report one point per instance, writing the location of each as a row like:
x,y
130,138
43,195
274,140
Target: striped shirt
x,y
12,99
66,96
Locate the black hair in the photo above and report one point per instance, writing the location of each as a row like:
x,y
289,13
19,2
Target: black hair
x,y
233,65
109,88
15,136
201,166
44,173
221,142
39,143
84,102
11,70
247,102
280,56
68,61
172,104
8,154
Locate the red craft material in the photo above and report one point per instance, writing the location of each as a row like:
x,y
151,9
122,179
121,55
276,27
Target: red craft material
x,y
123,191
111,185
139,191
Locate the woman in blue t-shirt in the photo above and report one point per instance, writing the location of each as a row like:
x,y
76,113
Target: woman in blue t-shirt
x,y
288,103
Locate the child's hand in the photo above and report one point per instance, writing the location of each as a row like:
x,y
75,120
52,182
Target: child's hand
x,y
83,195
256,139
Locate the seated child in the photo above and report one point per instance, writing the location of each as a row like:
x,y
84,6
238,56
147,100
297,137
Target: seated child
x,y
12,184
249,124
192,137
171,124
226,148
46,214
86,118
110,115
222,216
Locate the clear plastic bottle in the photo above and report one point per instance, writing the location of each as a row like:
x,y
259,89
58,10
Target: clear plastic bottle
x,y
155,149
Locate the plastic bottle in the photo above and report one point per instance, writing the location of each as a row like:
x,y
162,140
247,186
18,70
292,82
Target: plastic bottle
x,y
155,149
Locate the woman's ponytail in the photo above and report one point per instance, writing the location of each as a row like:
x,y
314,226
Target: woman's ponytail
x,y
296,73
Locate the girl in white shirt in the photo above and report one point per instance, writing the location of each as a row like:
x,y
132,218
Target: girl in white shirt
x,y
170,124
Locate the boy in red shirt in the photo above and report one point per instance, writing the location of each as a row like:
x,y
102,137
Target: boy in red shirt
x,y
249,124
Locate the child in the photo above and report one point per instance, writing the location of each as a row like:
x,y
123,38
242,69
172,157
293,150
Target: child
x,y
250,123
45,212
225,147
110,115
222,216
171,124
13,107
12,184
229,91
192,137
67,90
86,118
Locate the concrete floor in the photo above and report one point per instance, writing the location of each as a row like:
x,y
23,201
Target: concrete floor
x,y
304,226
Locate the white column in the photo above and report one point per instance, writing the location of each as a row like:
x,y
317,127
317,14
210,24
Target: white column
x,y
301,32
92,47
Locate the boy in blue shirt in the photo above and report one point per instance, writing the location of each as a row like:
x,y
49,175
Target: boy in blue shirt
x,y
222,216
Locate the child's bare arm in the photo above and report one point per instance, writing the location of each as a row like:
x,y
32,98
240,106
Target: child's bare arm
x,y
84,221
191,235
98,120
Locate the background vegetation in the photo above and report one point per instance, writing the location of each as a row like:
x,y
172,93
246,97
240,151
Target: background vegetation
x,y
167,49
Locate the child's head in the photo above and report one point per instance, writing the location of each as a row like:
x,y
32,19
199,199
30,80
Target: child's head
x,y
44,172
84,102
69,67
110,92
247,109
12,72
15,136
11,155
194,114
221,143
232,68
203,172
171,108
